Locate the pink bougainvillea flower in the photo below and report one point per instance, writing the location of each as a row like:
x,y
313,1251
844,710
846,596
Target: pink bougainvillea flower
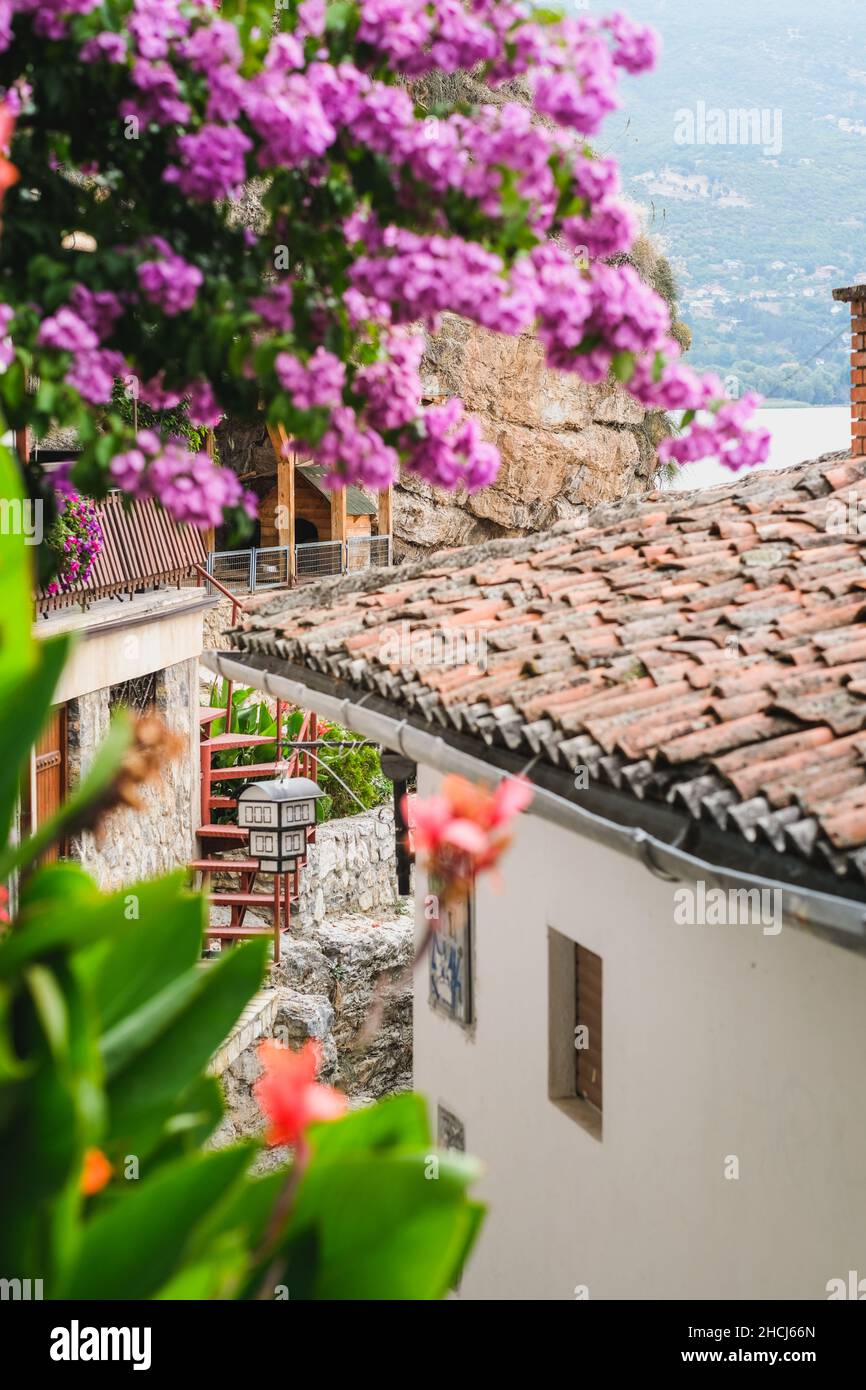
x,y
290,1095
96,1172
305,108
4,900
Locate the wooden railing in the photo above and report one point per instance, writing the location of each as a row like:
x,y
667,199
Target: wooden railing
x,y
143,547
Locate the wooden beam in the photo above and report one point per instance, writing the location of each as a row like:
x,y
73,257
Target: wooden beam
x,y
386,511
339,527
285,517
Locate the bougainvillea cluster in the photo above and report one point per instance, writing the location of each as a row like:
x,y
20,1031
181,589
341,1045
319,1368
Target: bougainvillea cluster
x,y
76,537
137,124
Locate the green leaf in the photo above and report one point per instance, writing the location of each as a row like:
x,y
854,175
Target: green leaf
x,y
17,646
13,391
12,1067
142,1093
215,1277
41,932
136,1245
160,942
246,1211
25,707
57,885
390,1226
50,1007
622,366
197,1115
135,1032
398,1123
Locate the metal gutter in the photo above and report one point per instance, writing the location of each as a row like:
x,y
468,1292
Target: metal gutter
x,y
842,920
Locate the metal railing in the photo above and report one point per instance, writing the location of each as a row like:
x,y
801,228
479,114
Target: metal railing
x,y
244,571
367,552
235,569
314,559
270,567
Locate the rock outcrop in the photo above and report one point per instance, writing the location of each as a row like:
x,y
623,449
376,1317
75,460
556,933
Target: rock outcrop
x,y
565,445
343,978
347,986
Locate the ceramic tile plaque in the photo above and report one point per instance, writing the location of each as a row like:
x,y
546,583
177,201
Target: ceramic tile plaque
x,y
451,960
450,1132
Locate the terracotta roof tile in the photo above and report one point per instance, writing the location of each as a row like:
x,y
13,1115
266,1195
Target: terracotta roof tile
x,y
707,650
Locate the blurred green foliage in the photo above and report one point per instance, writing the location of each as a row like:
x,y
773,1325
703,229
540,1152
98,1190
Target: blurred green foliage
x,y
108,1020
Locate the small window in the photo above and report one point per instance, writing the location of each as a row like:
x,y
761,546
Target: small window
x,y
575,1030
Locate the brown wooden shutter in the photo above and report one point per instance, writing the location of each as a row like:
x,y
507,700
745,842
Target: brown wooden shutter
x,y
50,752
587,996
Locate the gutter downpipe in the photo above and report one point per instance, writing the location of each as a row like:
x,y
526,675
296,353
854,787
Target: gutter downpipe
x,y
843,920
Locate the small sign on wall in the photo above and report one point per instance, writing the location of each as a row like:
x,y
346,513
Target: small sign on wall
x,y
451,959
450,1132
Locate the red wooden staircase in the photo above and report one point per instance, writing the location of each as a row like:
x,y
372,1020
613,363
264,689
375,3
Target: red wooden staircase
x,y
217,839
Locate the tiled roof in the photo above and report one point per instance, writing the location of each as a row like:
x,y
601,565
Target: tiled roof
x,y
702,649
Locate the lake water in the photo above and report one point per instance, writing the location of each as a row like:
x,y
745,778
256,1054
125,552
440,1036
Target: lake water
x,y
798,434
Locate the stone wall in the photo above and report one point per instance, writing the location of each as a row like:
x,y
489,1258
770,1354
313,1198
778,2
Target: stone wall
x,y
352,867
141,844
217,621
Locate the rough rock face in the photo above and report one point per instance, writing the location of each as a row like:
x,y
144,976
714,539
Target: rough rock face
x,y
329,983
342,978
565,445
347,987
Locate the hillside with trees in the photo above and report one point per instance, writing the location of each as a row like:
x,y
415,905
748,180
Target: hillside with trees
x,y
757,234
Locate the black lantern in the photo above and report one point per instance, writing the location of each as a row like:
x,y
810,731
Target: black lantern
x,y
277,815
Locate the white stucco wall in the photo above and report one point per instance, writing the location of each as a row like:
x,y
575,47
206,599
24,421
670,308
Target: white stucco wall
x,y
717,1041
120,641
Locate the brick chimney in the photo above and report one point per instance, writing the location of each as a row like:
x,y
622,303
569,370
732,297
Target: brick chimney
x,y
855,295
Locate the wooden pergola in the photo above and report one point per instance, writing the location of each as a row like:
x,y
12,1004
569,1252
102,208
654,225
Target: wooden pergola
x,y
287,461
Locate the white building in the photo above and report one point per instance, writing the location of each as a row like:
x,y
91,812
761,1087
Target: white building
x,y
652,1030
